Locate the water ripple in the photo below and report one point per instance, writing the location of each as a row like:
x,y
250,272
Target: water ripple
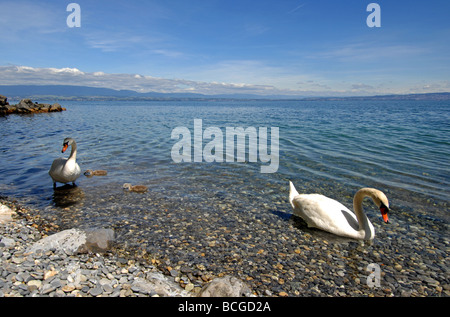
x,y
323,145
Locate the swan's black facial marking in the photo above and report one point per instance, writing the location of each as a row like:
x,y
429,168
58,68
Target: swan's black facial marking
x,y
384,212
65,146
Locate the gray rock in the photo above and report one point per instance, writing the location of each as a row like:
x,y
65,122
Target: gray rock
x,y
44,107
97,240
7,109
96,291
3,101
227,286
75,241
55,107
68,241
47,288
159,284
8,242
25,106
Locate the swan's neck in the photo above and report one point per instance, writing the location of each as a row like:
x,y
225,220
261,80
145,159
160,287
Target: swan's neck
x,y
73,152
363,221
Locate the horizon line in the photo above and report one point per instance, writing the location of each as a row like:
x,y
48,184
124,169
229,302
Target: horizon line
x,y
199,96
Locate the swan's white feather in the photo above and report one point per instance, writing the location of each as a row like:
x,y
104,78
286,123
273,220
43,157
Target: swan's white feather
x,y
327,214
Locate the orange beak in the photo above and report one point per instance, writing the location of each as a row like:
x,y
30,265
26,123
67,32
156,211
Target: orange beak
x,y
65,146
384,213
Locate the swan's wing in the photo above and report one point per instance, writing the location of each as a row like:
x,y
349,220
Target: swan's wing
x,y
57,168
77,171
292,193
325,213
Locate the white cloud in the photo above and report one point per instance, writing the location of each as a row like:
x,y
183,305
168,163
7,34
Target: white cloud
x,y
361,87
370,52
24,75
168,53
112,42
72,71
296,8
17,75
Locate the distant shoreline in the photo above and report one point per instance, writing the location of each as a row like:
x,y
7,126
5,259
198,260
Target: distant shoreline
x,y
83,93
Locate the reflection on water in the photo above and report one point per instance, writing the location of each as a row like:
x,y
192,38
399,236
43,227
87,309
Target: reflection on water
x,y
67,196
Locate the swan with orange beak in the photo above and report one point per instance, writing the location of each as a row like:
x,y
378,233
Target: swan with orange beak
x,y
66,170
327,214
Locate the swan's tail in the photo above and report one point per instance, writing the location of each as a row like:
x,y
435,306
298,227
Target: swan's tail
x,y
292,193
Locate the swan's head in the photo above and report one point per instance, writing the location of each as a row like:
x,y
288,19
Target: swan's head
x,y
384,213
89,173
66,143
382,202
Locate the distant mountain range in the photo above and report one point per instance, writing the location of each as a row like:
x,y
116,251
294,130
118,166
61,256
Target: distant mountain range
x,y
67,92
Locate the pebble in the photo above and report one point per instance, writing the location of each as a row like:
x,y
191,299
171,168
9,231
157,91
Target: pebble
x,y
96,291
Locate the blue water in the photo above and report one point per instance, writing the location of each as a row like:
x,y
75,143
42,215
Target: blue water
x,y
330,147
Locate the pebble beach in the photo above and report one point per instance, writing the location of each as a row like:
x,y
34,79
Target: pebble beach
x,y
53,273
275,267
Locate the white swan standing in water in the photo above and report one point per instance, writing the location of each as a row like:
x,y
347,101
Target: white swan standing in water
x,y
65,170
330,215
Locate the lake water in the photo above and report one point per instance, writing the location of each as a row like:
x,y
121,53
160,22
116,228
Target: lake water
x,y
328,147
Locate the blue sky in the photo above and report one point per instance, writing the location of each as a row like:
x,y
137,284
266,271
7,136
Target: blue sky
x,y
292,47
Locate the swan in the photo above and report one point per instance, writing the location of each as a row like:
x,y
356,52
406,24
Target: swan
x,y
65,170
135,188
330,215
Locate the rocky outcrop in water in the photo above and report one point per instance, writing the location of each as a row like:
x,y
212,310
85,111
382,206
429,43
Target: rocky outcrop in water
x,y
27,106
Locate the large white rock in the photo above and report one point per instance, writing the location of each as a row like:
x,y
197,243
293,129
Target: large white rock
x,y
75,241
159,284
5,214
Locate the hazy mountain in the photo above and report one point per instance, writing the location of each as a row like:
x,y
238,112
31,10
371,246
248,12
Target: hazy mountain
x,y
67,92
